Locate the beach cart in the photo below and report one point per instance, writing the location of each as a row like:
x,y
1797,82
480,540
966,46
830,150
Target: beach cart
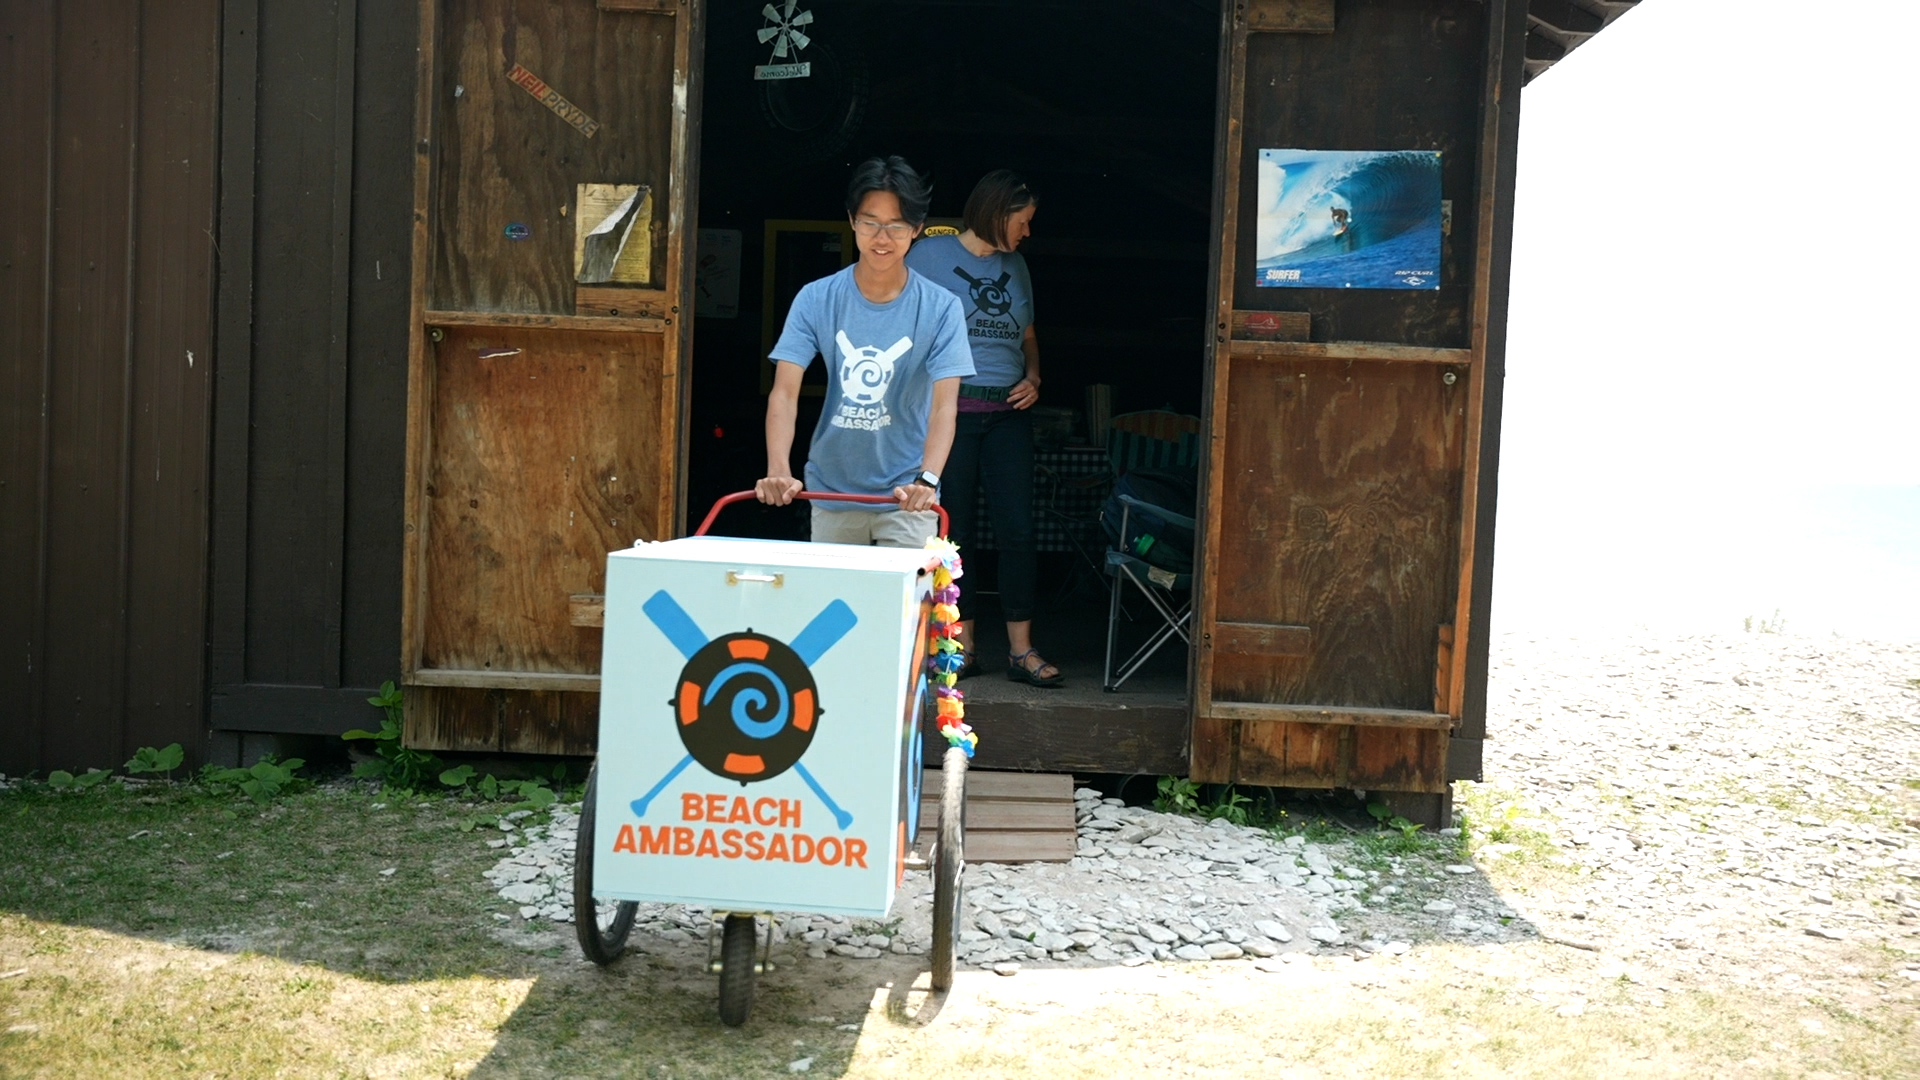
x,y
761,707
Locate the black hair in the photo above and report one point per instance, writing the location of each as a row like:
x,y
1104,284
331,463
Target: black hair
x,y
998,196
895,175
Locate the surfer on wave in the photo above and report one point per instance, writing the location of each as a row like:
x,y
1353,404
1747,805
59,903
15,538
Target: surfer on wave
x,y
1343,231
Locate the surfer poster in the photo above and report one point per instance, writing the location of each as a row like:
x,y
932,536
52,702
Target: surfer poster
x,y
1348,219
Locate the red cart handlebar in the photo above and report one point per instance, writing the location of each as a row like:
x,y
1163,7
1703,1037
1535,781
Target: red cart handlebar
x,y
825,496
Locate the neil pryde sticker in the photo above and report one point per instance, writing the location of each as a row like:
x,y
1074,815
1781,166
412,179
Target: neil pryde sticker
x,y
548,96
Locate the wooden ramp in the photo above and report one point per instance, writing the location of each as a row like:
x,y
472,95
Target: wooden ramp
x,y
1011,816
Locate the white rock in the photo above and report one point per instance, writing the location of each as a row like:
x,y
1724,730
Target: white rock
x,y
1274,930
1190,952
804,1064
1158,934
1224,950
1438,907
523,892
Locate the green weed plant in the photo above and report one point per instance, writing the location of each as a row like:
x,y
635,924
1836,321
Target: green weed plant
x,y
395,764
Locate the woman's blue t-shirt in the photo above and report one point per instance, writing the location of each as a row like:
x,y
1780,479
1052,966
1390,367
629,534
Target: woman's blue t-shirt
x,y
996,299
884,359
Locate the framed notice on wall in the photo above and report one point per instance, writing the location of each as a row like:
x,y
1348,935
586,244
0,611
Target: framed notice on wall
x,y
1348,219
716,277
794,253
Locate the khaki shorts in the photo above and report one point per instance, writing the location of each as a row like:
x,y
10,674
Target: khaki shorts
x,y
886,528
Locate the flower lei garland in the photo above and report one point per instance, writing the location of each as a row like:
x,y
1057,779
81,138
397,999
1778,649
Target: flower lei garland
x,y
944,658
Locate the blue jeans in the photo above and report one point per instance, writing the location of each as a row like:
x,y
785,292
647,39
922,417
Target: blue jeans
x,y
995,449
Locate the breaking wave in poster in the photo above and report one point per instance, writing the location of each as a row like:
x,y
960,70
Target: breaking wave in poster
x,y
1348,219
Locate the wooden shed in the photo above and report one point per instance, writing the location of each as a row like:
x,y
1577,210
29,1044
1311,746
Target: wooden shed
x,y
495,289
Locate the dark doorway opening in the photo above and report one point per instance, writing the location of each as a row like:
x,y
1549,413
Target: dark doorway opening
x,y
1108,110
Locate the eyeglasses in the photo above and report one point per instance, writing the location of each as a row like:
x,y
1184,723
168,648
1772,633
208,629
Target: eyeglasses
x,y
898,230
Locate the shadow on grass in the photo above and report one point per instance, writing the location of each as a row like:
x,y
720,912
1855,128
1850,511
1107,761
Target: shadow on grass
x,y
387,891
367,884
654,1014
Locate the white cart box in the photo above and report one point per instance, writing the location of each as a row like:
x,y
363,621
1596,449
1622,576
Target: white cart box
x,y
760,706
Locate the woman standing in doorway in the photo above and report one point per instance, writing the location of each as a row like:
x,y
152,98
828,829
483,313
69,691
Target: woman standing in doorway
x,y
993,437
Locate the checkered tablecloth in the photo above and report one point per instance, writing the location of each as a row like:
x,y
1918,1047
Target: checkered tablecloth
x,y
1070,484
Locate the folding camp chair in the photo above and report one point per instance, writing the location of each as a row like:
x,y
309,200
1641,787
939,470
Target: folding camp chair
x,y
1162,588
1152,439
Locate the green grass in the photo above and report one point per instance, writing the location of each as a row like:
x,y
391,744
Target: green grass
x,y
165,932
293,878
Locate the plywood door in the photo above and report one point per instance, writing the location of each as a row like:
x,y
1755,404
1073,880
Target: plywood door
x,y
546,416
1344,424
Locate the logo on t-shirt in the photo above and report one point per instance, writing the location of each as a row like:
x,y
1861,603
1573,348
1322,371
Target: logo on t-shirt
x,y
989,296
865,372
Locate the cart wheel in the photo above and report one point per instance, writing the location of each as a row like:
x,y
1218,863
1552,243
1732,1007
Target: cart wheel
x,y
950,863
602,929
738,940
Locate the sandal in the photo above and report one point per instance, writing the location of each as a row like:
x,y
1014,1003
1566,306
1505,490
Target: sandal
x,y
968,665
1018,671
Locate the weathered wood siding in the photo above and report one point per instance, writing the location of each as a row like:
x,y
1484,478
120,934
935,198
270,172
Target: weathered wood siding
x,y
546,418
107,178
1344,483
311,395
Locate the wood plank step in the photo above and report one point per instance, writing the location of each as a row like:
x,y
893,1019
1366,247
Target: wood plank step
x,y
1018,847
1012,817
984,784
983,815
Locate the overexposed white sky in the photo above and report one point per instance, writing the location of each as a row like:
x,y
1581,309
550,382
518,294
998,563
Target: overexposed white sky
x,y
1712,391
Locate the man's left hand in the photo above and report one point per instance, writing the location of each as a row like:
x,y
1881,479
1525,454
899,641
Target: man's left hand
x,y
915,497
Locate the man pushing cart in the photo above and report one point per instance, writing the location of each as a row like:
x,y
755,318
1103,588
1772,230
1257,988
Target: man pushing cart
x,y
762,702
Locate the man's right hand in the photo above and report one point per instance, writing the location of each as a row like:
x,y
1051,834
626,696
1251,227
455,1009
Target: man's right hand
x,y
777,490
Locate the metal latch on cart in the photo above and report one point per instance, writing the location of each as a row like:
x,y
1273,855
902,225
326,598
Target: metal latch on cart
x,y
735,577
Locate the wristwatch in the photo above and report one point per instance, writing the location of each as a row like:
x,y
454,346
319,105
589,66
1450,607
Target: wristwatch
x,y
927,479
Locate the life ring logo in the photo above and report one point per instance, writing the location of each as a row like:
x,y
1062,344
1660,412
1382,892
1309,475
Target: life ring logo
x,y
745,704
746,707
990,296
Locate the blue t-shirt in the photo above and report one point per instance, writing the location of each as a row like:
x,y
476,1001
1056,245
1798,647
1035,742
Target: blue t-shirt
x,y
996,299
883,360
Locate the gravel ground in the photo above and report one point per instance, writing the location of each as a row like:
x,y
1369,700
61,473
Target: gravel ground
x,y
1741,808
1738,809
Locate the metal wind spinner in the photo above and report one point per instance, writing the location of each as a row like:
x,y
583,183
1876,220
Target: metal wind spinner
x,y
785,28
